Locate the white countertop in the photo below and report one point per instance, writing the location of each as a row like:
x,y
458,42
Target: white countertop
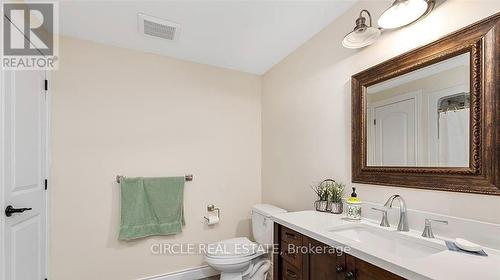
x,y
446,265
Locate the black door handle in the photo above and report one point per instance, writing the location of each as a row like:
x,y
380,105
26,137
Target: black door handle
x,y
11,210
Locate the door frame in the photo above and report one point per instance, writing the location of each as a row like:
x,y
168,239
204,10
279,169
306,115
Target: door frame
x,y
2,173
417,95
48,133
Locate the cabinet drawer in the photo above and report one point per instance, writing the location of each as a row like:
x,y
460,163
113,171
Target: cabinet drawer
x,y
290,272
291,253
289,236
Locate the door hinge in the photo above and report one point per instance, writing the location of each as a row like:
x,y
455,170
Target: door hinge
x,y
46,183
46,84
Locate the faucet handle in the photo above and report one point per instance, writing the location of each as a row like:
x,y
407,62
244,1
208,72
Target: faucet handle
x,y
385,221
428,221
428,227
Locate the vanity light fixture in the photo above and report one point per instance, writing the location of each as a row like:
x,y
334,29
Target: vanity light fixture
x,y
362,35
405,12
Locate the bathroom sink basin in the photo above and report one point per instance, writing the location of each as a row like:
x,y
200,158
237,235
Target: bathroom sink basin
x,y
388,241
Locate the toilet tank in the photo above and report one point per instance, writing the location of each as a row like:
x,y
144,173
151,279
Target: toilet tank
x,y
262,225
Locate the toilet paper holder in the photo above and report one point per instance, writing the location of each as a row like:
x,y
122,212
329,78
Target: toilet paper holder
x,y
212,208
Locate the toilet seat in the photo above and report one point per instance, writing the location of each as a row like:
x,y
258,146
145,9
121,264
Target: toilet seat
x,y
234,260
237,259
233,248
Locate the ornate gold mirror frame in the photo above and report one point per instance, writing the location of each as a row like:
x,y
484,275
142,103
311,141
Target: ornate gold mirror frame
x,y
482,41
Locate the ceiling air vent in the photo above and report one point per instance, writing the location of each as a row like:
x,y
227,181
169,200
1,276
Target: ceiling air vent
x,y
156,27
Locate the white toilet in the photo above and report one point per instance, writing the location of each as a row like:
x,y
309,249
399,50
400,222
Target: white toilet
x,y
240,258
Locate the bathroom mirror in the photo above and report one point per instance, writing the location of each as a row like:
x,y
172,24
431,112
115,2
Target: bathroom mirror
x,y
421,118
429,118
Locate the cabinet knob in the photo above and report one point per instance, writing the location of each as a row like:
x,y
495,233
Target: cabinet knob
x,y
350,275
339,269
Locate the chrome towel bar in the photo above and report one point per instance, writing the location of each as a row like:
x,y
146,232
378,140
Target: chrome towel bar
x,y
188,178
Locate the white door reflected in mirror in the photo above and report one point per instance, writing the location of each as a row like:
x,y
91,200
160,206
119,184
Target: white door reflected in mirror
x,y
421,119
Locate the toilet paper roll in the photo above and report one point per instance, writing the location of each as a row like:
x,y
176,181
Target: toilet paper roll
x,y
212,220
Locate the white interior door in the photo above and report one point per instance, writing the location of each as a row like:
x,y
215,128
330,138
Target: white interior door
x,y
395,136
23,160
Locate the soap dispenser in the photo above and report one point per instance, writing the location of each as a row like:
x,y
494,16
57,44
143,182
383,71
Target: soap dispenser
x,y
353,211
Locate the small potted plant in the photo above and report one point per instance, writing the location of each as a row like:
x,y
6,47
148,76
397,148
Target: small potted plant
x,y
336,193
322,190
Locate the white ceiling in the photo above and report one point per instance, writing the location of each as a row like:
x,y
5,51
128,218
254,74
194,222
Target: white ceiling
x,y
249,36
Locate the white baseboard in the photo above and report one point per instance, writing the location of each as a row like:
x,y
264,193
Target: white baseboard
x,y
194,273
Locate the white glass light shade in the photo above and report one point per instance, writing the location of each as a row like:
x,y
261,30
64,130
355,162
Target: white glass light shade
x,y
361,38
402,12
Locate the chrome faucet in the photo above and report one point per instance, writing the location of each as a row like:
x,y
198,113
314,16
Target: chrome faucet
x,y
384,222
403,216
428,229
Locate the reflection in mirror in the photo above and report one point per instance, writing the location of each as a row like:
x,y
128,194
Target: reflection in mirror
x,y
421,118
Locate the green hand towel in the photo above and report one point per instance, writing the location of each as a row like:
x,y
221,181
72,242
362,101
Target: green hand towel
x,y
151,206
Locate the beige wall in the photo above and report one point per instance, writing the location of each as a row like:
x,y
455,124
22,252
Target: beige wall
x,y
116,111
306,112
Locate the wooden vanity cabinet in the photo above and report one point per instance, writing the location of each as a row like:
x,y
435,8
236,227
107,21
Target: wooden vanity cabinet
x,y
302,258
